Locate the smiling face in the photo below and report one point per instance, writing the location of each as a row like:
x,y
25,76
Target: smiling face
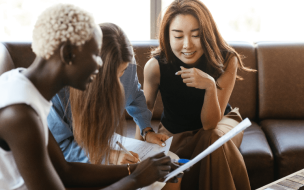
x,y
185,39
87,61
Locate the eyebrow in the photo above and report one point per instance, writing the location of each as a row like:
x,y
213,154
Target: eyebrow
x,y
174,30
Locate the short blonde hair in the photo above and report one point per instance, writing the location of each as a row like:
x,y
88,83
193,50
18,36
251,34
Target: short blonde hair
x,y
61,23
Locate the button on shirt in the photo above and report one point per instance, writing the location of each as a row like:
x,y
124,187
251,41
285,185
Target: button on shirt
x,y
60,117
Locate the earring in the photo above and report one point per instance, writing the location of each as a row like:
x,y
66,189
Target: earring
x,y
70,63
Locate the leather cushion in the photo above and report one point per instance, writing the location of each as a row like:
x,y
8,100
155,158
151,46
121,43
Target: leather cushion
x,y
286,138
257,156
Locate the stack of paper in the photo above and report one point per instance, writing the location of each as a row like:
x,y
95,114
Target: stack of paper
x,y
142,148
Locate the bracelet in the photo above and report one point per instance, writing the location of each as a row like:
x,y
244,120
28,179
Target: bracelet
x,y
128,167
146,132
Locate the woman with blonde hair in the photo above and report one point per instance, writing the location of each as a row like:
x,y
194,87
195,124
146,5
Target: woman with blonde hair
x,y
195,71
67,44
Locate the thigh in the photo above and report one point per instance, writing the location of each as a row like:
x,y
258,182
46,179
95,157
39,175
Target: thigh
x,y
186,143
179,140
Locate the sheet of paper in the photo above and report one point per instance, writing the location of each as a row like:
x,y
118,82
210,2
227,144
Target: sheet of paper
x,y
237,129
142,148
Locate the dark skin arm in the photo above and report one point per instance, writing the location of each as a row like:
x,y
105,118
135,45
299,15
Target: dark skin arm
x,y
22,131
75,174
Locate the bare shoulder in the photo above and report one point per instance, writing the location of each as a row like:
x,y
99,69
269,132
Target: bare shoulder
x,y
18,122
151,70
152,66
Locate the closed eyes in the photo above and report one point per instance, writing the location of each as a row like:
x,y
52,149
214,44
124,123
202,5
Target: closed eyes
x,y
179,37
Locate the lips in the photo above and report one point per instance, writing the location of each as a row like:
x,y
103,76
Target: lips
x,y
188,53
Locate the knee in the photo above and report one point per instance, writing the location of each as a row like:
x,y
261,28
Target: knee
x,y
215,134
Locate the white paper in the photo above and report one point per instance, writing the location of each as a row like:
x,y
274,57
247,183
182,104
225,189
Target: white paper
x,y
237,129
154,186
142,148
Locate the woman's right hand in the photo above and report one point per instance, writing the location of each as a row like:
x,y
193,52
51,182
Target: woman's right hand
x,y
151,169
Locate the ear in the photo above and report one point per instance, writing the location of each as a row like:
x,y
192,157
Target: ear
x,y
66,54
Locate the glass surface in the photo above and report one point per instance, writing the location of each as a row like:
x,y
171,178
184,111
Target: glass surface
x,y
17,17
257,20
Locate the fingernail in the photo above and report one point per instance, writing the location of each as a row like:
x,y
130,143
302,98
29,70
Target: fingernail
x,y
176,73
163,144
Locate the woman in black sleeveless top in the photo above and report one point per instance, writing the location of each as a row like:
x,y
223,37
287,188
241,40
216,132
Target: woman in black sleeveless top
x,y
195,71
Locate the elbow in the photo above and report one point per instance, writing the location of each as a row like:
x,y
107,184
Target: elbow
x,y
211,123
64,174
209,126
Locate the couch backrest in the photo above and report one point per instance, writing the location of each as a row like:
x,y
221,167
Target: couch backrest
x,y
244,96
281,80
245,92
6,62
20,52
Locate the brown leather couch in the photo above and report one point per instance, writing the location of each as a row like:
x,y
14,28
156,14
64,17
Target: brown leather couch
x,y
273,146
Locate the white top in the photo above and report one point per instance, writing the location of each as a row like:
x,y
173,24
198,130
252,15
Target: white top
x,y
18,89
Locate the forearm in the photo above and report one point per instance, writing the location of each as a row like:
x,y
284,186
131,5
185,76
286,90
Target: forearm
x,y
211,110
123,184
90,175
74,174
138,134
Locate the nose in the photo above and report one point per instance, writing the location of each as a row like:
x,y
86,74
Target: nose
x,y
187,43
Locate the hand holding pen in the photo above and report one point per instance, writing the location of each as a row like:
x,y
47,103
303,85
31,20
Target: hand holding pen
x,y
134,155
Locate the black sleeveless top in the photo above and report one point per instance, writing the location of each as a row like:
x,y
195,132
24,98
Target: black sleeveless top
x,y
182,104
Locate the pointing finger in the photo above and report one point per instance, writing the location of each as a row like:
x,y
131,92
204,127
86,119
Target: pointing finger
x,y
183,71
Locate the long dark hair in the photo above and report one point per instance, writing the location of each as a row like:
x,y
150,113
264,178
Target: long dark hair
x,y
98,112
216,49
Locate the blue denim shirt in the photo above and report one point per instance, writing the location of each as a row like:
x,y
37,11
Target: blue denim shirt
x,y
60,117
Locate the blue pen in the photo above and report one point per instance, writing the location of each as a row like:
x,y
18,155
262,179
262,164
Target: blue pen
x,y
181,161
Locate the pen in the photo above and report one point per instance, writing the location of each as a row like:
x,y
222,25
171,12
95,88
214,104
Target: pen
x,y
125,150
180,161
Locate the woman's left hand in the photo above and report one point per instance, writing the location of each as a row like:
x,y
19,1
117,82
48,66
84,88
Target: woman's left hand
x,y
196,78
